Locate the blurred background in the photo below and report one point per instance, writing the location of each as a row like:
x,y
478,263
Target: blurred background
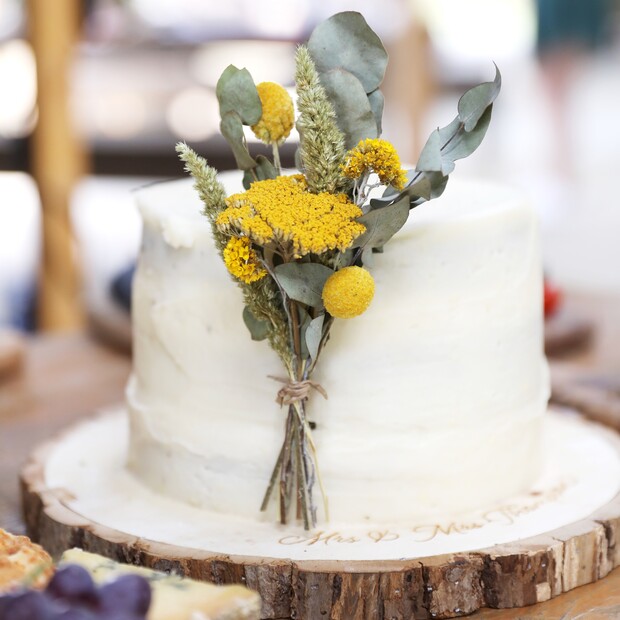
x,y
95,94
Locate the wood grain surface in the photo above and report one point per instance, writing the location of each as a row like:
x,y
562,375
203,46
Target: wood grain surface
x,y
445,586
63,378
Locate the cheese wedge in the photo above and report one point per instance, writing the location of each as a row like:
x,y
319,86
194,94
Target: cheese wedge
x,y
174,597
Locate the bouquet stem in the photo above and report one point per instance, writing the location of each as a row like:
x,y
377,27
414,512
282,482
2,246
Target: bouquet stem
x,y
295,470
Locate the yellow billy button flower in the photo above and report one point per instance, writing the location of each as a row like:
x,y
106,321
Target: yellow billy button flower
x,y
348,292
378,156
278,116
242,261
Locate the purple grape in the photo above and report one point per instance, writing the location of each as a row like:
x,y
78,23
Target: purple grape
x,y
130,593
73,583
28,605
75,614
120,615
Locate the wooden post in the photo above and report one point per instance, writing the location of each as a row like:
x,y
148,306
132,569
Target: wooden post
x,y
58,159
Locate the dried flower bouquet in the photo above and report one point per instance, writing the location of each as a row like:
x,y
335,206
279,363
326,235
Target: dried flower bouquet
x,y
298,244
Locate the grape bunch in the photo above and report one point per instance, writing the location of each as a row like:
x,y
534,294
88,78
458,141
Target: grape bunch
x,y
72,594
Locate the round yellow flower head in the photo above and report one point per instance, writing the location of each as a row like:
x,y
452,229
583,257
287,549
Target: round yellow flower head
x,y
348,292
278,116
378,156
242,261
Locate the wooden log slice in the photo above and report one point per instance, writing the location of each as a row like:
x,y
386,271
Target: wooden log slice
x,y
448,585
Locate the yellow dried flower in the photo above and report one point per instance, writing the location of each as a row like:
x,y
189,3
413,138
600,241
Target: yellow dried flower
x,y
283,211
375,155
242,261
278,116
348,292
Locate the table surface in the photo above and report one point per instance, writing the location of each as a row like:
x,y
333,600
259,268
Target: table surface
x,y
66,377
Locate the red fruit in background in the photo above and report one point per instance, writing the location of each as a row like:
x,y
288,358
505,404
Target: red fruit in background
x,y
553,299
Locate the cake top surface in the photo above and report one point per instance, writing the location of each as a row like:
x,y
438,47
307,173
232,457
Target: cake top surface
x,y
177,209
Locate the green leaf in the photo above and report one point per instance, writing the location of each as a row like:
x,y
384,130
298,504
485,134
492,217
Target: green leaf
x,y
420,189
304,322
430,157
232,129
259,330
236,92
354,115
264,170
382,223
462,136
314,333
466,142
346,41
438,183
444,146
303,282
473,104
376,100
368,258
417,186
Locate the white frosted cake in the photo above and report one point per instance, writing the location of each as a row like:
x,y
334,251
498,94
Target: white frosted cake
x,y
436,393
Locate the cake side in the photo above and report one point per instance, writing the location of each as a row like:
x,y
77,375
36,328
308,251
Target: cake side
x,y
444,418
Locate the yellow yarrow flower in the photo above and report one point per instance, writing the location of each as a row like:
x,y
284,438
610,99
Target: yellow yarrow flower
x,y
242,261
378,156
278,116
348,292
283,211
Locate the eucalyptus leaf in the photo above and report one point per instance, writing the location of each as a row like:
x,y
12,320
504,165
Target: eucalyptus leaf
x,y
303,282
232,129
346,41
313,335
421,188
377,100
462,136
236,92
438,183
430,157
383,223
304,322
391,193
466,142
259,330
264,170
368,258
473,104
354,115
444,146
418,189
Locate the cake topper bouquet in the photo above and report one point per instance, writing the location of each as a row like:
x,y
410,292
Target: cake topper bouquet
x,y
297,244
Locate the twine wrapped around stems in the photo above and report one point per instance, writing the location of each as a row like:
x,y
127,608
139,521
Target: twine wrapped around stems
x,y
296,391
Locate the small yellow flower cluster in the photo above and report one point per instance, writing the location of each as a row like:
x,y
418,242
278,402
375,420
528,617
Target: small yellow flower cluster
x,y
242,261
348,292
281,210
375,155
278,116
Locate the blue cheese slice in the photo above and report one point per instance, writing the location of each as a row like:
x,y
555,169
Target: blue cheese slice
x,y
174,597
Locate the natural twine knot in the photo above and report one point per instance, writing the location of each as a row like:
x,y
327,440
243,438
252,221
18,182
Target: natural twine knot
x,y
295,391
